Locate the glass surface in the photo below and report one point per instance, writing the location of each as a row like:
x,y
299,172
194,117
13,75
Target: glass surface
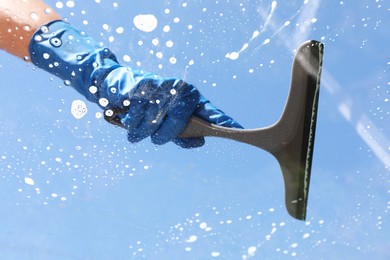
x,y
73,187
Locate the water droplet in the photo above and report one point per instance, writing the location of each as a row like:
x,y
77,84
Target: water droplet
x,y
215,254
145,22
173,91
169,44
56,42
203,225
38,38
70,4
113,90
232,55
34,16
119,30
103,102
192,239
45,29
126,58
155,41
29,181
109,113
59,5
27,28
46,56
159,55
78,109
166,28
251,250
93,89
126,103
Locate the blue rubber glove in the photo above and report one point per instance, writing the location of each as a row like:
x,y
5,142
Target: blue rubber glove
x,y
149,105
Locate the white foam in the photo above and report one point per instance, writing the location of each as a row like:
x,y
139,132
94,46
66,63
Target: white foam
x,y
145,22
29,181
78,109
192,239
251,251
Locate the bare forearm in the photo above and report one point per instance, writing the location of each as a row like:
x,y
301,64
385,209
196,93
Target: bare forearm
x,y
19,19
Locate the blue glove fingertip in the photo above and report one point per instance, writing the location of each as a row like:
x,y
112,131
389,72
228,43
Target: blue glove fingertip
x,y
210,113
189,143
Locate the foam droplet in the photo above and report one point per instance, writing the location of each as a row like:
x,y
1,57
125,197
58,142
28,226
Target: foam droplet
x,y
169,44
251,250
233,55
29,181
34,16
78,109
145,22
266,41
126,58
120,30
192,239
70,4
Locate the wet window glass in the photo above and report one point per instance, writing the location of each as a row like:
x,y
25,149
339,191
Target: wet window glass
x,y
73,187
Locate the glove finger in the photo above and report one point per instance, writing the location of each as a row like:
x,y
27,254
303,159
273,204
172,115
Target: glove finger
x,y
136,135
135,114
169,129
188,143
148,125
210,113
177,119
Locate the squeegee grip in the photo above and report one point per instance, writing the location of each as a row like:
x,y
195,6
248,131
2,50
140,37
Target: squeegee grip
x,y
198,127
263,138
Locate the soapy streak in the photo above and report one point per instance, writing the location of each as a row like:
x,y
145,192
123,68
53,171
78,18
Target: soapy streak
x,y
235,55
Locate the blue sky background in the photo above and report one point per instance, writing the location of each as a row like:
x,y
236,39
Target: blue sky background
x,y
76,189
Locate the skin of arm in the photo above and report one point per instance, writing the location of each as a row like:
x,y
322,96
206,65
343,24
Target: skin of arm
x,y
19,19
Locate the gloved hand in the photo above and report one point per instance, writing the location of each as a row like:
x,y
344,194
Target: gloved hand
x,y
149,105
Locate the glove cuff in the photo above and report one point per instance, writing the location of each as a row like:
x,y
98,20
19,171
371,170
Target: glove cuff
x,y
73,56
